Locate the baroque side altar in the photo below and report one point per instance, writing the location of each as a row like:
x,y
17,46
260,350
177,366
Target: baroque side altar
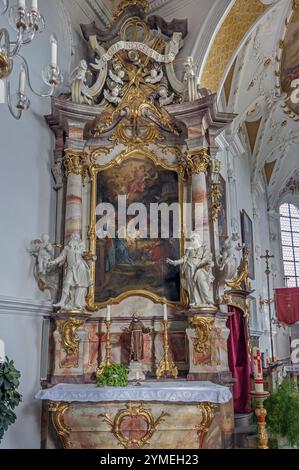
x,y
131,140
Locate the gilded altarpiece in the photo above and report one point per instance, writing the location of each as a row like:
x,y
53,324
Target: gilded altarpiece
x,y
133,131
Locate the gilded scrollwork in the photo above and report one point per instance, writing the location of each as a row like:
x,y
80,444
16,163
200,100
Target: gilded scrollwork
x,y
215,196
58,410
134,410
207,415
68,331
203,327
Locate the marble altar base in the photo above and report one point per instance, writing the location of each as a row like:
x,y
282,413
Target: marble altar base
x,y
166,415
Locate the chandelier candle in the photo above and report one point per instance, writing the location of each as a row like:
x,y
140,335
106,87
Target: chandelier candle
x,y
53,42
258,370
22,81
22,4
34,6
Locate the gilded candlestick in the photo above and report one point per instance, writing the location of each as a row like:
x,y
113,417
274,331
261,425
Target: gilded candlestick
x,y
166,365
107,360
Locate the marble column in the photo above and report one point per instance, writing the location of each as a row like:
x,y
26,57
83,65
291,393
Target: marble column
x,y
74,167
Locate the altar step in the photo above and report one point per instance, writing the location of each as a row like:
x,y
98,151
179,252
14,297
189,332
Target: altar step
x,y
245,432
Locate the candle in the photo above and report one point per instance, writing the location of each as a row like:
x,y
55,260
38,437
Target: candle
x,y
165,312
22,81
258,370
22,4
108,312
53,42
34,5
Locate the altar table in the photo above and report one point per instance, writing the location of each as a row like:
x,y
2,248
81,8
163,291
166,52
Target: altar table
x,y
153,415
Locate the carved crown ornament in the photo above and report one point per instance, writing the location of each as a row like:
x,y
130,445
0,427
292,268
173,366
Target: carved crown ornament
x,y
131,77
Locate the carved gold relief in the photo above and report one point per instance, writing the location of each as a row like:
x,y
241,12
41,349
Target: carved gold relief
x,y
215,195
194,161
241,303
140,415
58,410
208,414
203,327
74,162
127,3
68,332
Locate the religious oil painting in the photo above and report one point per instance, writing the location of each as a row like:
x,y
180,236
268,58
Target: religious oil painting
x,y
247,240
133,261
290,60
222,216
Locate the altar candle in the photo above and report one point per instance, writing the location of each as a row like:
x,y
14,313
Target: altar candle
x,y
258,370
165,312
108,312
22,81
34,5
22,4
53,42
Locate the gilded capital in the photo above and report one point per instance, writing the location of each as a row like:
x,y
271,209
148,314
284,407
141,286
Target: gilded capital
x,y
194,161
74,162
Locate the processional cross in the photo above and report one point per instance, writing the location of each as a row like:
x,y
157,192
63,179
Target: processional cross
x,y
267,258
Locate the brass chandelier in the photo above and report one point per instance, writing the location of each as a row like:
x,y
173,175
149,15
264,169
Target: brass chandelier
x,y
27,23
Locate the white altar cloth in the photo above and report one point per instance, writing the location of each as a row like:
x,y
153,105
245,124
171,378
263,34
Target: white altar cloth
x,y
174,392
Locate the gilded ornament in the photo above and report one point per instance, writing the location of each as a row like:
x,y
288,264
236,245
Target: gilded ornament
x,y
215,195
240,303
74,162
5,65
124,4
203,327
166,365
134,410
193,162
68,332
58,410
208,413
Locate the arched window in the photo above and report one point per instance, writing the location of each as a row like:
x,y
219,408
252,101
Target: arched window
x,y
289,223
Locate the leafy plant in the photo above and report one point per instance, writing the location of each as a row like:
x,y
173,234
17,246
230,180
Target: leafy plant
x,y
9,397
115,375
283,412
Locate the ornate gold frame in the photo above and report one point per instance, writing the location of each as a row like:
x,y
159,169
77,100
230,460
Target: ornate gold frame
x,y
138,152
133,409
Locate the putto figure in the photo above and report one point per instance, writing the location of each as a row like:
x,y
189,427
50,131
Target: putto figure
x,y
77,275
196,266
227,261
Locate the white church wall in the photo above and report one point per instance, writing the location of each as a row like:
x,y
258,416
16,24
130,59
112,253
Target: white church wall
x,y
27,209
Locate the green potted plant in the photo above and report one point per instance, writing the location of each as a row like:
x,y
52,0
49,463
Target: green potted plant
x,y
115,375
9,397
283,414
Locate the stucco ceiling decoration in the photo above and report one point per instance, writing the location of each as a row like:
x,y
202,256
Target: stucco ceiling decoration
x,y
252,132
239,20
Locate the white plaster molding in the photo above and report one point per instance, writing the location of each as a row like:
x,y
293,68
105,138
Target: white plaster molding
x,y
233,143
24,307
156,4
101,10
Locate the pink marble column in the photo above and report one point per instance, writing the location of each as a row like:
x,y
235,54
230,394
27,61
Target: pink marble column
x,y
201,210
74,165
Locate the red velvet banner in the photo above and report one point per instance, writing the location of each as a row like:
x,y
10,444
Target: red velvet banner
x,y
239,360
287,305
